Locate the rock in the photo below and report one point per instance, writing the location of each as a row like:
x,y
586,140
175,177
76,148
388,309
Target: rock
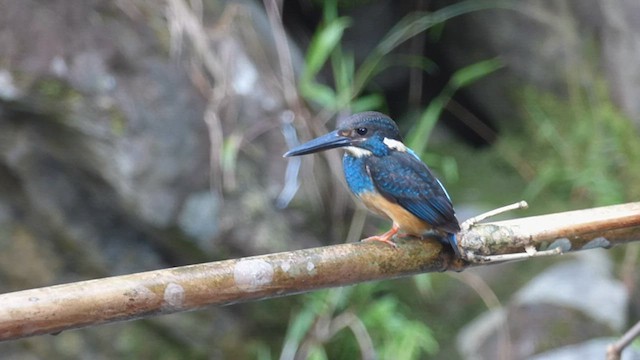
x,y
586,285
197,218
566,304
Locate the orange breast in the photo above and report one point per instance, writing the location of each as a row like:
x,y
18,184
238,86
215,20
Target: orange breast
x,y
407,222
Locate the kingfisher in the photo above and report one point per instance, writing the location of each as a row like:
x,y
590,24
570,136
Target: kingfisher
x,y
389,178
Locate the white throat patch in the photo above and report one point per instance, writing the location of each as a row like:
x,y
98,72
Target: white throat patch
x,y
358,152
395,144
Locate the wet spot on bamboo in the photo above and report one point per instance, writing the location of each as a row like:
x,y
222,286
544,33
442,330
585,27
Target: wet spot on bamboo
x,y
252,275
173,296
311,268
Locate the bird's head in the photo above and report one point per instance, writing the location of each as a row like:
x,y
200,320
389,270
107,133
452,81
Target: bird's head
x,y
362,134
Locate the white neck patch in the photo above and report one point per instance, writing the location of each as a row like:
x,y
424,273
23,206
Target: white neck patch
x,y
395,144
358,152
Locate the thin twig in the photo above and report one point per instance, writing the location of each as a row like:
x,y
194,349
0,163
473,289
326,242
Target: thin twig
x,y
614,351
492,302
501,210
359,330
274,14
513,257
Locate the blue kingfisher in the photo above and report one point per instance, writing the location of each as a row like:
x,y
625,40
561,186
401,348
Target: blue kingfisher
x,y
389,178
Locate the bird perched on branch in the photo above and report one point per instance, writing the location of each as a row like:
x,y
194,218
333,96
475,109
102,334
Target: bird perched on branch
x,y
389,178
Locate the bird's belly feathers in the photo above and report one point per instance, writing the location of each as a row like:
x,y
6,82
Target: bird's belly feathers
x,y
362,186
407,222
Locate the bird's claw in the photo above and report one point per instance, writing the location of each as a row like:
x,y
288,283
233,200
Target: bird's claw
x,y
382,239
386,237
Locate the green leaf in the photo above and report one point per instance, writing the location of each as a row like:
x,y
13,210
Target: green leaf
x,y
470,74
367,102
320,93
322,44
418,138
414,61
342,66
413,24
317,352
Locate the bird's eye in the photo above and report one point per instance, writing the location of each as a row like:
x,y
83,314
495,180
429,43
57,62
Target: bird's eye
x,y
361,131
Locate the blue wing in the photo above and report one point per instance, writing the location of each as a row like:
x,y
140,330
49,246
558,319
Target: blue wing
x,y
402,178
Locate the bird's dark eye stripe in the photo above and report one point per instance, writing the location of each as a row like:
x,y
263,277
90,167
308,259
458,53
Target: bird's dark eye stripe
x,y
361,131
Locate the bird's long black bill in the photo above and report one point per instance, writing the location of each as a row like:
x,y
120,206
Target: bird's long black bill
x,y
325,142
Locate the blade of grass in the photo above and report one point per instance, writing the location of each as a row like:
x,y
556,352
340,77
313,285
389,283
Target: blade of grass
x,y
322,44
417,139
412,25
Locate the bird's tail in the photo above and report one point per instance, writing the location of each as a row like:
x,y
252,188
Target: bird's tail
x,y
451,238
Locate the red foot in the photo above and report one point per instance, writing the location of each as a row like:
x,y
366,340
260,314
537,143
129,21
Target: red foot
x,y
386,237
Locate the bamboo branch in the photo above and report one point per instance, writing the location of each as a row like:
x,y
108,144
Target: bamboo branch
x,y
63,307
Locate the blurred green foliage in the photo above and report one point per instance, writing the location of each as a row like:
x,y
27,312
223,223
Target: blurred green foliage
x,y
578,149
325,46
350,81
346,322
